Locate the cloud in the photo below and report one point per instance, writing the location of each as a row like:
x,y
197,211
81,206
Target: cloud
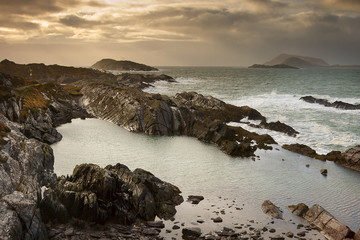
x,y
77,22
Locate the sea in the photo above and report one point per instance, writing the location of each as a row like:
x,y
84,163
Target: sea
x,y
234,188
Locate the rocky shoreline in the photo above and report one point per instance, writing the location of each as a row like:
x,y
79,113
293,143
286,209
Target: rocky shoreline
x,y
38,205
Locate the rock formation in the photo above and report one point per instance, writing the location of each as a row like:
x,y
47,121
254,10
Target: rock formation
x,y
350,158
329,226
326,103
111,64
113,193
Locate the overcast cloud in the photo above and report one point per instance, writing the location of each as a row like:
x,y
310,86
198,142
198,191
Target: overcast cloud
x,y
197,32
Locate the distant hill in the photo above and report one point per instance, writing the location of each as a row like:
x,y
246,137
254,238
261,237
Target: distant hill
x,y
297,61
273,66
111,64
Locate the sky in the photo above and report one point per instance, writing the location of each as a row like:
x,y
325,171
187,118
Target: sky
x,y
178,33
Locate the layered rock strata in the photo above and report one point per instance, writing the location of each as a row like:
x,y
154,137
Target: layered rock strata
x,y
329,226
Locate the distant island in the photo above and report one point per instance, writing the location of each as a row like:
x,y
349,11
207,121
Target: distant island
x,y
273,66
123,65
297,61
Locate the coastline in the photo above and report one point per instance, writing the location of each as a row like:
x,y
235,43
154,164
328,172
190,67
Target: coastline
x,y
210,134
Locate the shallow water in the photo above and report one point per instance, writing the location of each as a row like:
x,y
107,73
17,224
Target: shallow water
x,y
202,169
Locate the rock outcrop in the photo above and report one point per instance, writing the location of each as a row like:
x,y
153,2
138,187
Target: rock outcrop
x,y
349,159
329,226
123,65
326,103
113,193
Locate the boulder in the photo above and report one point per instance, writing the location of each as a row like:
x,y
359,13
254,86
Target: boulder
x,y
270,209
299,209
191,233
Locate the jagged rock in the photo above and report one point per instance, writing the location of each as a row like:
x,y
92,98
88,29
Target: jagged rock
x,y
270,209
326,103
99,194
194,199
299,209
28,214
191,233
10,224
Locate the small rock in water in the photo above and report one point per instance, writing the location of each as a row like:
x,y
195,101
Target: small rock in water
x,y
307,165
272,230
324,172
195,199
175,227
301,234
289,234
217,220
200,221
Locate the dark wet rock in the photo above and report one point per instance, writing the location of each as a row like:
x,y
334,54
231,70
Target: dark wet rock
x,y
307,165
330,227
270,209
102,194
289,234
326,103
324,172
299,209
272,230
301,234
217,220
195,199
200,221
191,233
175,227
280,127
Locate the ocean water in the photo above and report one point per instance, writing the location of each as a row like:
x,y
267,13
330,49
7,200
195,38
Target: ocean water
x,y
226,182
276,93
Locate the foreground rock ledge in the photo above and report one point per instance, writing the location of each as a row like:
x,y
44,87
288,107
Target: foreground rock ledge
x,y
114,194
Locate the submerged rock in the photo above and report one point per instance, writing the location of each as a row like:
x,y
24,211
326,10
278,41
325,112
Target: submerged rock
x,y
270,209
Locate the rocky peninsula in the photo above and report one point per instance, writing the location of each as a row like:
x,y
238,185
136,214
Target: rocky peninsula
x,y
36,204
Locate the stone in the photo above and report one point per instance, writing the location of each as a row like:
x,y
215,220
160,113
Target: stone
x,y
301,234
191,233
217,220
357,235
324,172
289,234
299,209
272,230
175,227
277,237
270,209
195,199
